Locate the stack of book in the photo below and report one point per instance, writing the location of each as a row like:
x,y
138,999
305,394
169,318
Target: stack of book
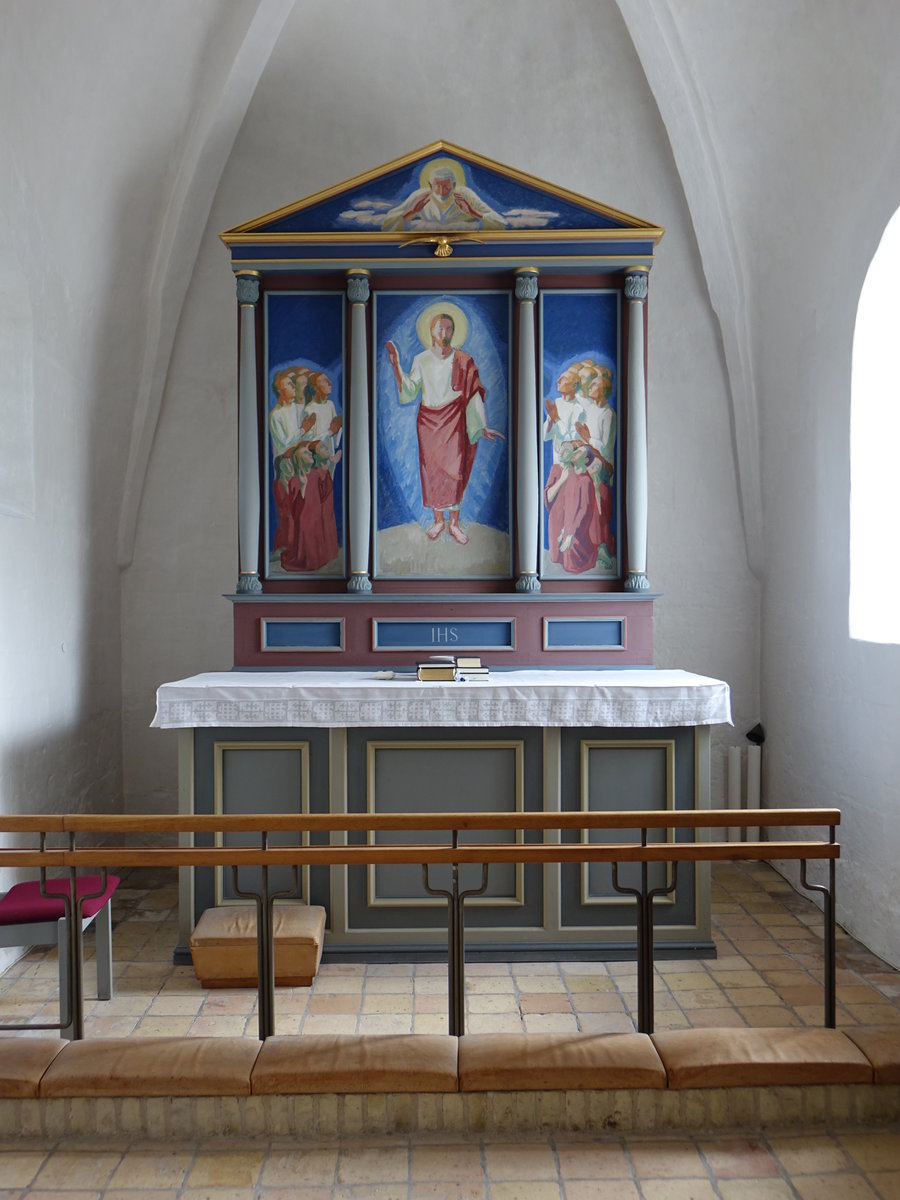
x,y
471,668
446,668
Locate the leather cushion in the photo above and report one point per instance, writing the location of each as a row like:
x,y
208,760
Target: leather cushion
x,y
149,1066
881,1046
350,1063
695,1058
515,1061
23,1061
223,945
230,924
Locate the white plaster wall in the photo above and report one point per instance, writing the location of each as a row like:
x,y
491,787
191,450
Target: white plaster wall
x,y
555,90
804,97
85,144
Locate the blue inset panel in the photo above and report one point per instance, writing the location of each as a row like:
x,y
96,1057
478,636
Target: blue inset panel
x,y
584,633
305,633
394,633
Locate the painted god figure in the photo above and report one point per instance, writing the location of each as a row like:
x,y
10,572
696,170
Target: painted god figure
x,y
581,427
451,419
443,202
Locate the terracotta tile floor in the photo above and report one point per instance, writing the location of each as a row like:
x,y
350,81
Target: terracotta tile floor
x,y
818,1166
768,971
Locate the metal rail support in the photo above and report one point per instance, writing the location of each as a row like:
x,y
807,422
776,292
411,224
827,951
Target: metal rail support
x,y
829,920
71,1006
456,948
265,940
644,899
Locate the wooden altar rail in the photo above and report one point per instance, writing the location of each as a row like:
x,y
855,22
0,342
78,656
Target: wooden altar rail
x,y
340,853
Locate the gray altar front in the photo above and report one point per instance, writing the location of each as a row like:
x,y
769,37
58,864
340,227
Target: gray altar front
x,y
522,742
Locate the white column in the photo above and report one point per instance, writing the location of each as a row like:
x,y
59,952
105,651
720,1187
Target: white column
x,y
528,488
636,487
358,444
248,436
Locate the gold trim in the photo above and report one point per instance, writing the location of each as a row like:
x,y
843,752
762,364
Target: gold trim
x,y
248,271
638,268
248,572
358,271
589,899
218,805
526,271
354,238
435,148
612,262
517,899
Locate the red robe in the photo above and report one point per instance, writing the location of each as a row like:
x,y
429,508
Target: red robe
x,y
573,512
446,455
314,542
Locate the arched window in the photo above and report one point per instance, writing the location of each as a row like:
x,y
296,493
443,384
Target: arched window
x,y
875,449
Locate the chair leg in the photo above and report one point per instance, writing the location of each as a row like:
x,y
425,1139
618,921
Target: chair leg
x,y
62,942
103,926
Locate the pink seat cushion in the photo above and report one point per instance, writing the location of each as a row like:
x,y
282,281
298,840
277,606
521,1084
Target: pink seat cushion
x,y
23,904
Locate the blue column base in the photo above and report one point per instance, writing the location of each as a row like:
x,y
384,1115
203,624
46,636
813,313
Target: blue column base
x,y
359,583
528,582
248,584
637,581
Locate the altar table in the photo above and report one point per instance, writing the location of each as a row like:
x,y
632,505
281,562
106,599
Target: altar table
x,y
523,740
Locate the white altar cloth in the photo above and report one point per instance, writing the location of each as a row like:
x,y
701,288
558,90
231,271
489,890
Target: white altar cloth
x,y
336,699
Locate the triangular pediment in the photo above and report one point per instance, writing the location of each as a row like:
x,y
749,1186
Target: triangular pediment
x,y
439,189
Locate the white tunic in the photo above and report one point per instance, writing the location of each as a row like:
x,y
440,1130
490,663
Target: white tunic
x,y
432,374
284,425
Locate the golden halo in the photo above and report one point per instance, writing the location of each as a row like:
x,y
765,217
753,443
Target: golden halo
x,y
427,315
430,167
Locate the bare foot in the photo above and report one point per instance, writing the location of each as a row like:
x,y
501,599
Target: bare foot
x,y
434,531
457,534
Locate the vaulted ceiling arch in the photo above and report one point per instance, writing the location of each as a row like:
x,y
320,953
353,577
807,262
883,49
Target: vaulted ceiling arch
x,y
204,154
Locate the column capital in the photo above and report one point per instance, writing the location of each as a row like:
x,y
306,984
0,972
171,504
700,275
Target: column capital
x,y
526,283
247,284
636,283
358,286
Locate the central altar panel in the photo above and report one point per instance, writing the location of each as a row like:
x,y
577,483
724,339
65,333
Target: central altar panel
x,y
432,771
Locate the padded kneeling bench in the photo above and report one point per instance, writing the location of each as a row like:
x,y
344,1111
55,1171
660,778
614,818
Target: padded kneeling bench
x,y
223,945
760,1057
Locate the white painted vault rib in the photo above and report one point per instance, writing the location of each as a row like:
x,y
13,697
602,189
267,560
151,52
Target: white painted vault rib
x,y
654,32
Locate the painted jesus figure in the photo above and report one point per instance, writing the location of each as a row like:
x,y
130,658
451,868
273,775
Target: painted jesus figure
x,y
450,423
